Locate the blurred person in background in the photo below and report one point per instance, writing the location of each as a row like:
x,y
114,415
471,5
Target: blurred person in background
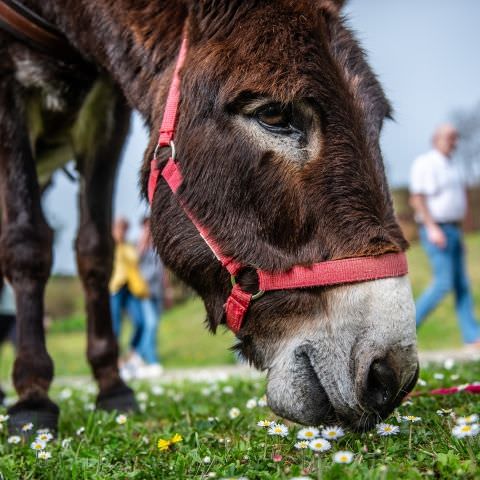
x,y
127,290
153,272
439,197
7,317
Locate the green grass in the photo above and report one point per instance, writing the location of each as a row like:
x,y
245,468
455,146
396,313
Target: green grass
x,y
237,447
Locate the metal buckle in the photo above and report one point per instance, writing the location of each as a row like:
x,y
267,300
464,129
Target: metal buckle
x,y
158,147
255,296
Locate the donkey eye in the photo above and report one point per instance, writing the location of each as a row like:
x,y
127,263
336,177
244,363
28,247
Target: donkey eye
x,y
275,117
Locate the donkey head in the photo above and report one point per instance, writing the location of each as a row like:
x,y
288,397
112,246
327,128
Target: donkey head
x,y
278,143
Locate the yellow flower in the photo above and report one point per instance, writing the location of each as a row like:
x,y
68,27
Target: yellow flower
x,y
176,438
163,444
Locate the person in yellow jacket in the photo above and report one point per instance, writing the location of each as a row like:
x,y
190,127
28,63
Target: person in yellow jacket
x,y
127,289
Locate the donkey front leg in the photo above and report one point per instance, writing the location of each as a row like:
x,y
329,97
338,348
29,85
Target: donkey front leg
x,y
26,258
98,166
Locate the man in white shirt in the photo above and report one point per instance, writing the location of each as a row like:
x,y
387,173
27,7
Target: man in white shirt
x,y
438,196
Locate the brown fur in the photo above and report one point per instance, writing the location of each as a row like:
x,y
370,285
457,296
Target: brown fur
x,y
263,209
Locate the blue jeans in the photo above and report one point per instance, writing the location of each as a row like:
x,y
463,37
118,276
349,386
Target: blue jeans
x,y
121,301
147,348
449,273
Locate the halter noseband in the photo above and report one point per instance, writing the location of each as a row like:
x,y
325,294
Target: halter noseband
x,y
333,272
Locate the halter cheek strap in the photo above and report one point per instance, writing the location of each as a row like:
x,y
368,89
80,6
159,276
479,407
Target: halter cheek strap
x,y
333,272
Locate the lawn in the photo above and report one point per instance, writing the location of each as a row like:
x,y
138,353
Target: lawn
x,y
214,426
183,340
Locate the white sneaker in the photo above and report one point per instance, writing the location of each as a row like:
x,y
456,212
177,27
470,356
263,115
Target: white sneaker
x,y
152,370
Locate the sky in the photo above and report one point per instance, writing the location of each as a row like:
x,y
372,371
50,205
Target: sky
x,y
425,53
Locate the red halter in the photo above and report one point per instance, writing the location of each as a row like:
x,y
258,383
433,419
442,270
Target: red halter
x,y
332,272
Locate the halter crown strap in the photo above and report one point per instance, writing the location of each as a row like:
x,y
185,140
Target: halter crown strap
x,y
333,272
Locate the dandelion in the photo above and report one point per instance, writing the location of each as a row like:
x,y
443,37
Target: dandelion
x,y
44,455
163,444
234,412
27,427
466,420
80,431
332,433
343,457
385,429
66,442
44,437
262,401
14,439
265,423
278,429
252,403
466,430
319,445
308,433
121,419
411,418
38,445
302,445
4,418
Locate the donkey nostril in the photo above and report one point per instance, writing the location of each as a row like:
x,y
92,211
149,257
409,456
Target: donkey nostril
x,y
382,385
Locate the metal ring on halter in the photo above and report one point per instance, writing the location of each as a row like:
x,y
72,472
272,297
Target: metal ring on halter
x,y
158,147
255,296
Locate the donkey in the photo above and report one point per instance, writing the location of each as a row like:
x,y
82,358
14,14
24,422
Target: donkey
x,y
277,137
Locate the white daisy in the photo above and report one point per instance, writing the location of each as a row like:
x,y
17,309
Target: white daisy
x,y
461,431
411,418
421,382
80,431
27,427
142,396
302,444
14,439
449,363
121,419
4,418
206,460
38,445
438,376
444,412
385,429
332,433
227,389
343,457
469,419
320,445
66,442
262,401
44,455
44,437
43,430
278,429
65,394
252,403
234,412
308,433
265,423
157,390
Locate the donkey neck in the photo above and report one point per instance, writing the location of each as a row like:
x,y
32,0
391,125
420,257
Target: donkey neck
x,y
133,41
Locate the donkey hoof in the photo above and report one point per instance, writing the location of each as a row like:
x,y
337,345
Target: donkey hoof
x,y
27,422
120,398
